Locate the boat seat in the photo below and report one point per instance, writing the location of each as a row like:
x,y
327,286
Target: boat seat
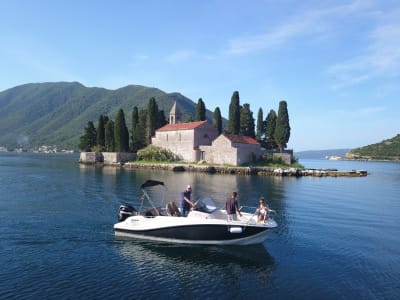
x,y
173,209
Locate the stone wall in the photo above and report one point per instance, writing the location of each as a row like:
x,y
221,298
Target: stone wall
x,y
220,152
178,142
107,158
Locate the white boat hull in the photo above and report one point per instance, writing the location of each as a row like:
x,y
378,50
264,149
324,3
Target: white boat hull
x,y
197,228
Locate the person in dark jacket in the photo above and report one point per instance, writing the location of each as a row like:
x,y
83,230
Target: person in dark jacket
x,y
186,202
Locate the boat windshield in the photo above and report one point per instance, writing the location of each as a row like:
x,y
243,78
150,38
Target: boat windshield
x,y
206,204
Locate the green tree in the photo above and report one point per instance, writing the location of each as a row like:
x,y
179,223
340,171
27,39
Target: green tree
x,y
153,119
282,130
88,139
200,110
121,133
135,124
246,121
260,125
161,119
100,138
109,141
141,130
270,124
234,114
217,120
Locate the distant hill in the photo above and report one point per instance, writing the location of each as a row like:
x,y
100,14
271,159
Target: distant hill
x,y
320,154
386,150
38,114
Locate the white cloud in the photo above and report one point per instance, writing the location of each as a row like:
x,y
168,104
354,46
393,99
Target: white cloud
x,y
381,58
309,22
180,56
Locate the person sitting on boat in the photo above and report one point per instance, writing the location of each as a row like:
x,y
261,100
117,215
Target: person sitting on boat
x,y
186,202
262,211
232,207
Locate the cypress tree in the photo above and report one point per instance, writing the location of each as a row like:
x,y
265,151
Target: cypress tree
x,y
121,133
200,110
260,125
100,138
135,124
282,129
161,119
246,121
141,129
109,141
153,119
88,139
234,114
270,124
217,120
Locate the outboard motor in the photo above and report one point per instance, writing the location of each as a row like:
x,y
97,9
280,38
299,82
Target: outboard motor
x,y
125,211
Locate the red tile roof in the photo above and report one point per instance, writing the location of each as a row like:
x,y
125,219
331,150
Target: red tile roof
x,y
182,126
241,139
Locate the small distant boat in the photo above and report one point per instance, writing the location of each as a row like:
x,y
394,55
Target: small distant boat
x,y
205,224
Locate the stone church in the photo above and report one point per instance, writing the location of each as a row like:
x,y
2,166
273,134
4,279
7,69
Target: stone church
x,y
199,141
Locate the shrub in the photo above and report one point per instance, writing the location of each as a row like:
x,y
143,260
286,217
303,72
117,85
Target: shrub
x,y
154,153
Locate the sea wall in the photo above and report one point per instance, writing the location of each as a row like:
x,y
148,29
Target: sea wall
x,y
106,158
262,171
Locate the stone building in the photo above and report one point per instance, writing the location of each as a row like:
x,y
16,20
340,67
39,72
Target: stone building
x,y
184,139
232,149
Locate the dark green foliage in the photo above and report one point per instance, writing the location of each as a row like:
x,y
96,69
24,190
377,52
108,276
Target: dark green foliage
x,y
246,121
217,121
270,124
161,119
385,150
260,125
141,129
200,111
88,139
189,119
234,114
121,134
100,138
134,128
153,119
109,141
282,129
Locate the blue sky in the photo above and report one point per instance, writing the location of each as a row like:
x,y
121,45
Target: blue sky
x,y
336,63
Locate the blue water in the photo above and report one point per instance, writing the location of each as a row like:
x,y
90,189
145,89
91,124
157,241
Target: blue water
x,y
338,238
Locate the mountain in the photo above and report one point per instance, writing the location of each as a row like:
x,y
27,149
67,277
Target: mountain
x,y
386,150
56,113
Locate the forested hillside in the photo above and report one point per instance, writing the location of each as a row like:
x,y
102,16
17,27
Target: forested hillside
x,y
56,113
385,150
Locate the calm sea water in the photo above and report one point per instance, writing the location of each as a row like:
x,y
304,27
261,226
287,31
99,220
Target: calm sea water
x,y
338,238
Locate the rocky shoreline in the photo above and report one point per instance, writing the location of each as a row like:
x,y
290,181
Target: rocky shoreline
x,y
261,171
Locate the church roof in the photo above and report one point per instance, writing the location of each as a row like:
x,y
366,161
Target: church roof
x,y
182,126
241,139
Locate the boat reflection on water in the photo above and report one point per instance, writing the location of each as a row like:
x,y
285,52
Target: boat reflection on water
x,y
188,270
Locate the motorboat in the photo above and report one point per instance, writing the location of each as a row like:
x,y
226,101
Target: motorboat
x,y
161,220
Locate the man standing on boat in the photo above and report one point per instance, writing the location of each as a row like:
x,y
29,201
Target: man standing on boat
x,y
186,202
232,206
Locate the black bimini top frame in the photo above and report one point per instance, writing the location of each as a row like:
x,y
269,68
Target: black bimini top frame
x,y
149,183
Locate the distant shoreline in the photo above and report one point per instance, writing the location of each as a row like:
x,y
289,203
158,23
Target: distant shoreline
x,y
365,159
